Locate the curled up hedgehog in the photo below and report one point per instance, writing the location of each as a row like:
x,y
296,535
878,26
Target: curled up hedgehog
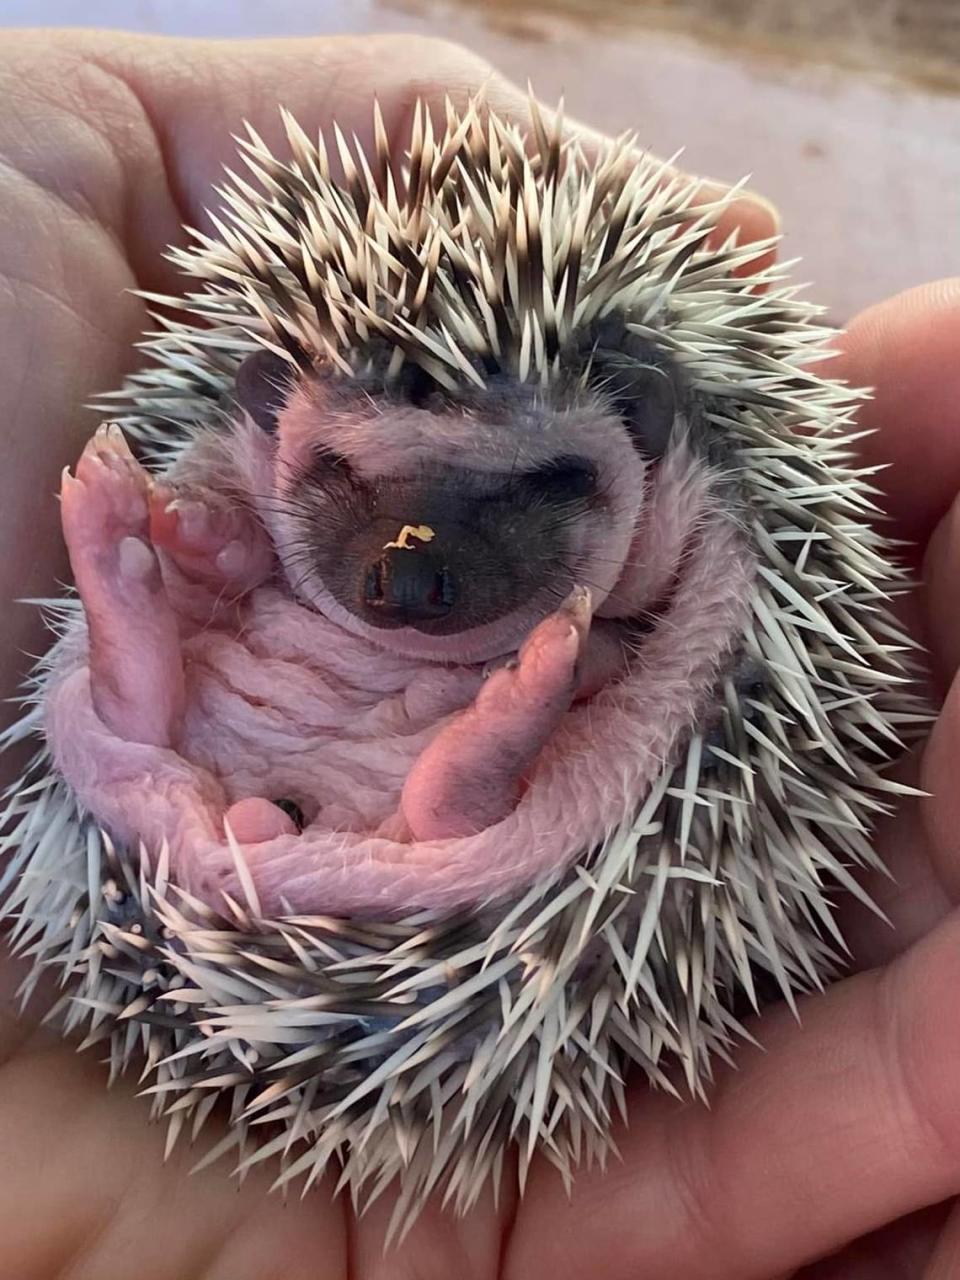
x,y
480,680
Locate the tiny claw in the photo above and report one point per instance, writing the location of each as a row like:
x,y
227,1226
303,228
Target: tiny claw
x,y
112,433
100,442
110,445
579,603
191,516
505,662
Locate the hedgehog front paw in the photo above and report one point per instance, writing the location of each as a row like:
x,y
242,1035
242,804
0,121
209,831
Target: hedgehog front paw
x,y
471,775
136,675
108,499
254,820
210,539
105,505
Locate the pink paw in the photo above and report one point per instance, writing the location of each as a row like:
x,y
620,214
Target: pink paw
x,y
136,673
208,537
254,820
544,671
472,774
105,513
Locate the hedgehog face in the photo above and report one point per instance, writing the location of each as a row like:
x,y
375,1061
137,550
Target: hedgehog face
x,y
439,529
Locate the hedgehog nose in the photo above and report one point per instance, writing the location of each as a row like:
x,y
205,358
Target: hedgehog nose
x,y
408,584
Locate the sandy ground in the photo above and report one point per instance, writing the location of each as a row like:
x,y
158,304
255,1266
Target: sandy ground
x,y
861,154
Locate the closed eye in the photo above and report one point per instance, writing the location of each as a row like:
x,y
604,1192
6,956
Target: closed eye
x,y
323,460
563,479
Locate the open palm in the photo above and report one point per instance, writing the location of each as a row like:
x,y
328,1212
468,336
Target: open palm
x,y
829,1132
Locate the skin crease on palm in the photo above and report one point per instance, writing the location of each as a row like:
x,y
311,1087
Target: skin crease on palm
x,y
836,1139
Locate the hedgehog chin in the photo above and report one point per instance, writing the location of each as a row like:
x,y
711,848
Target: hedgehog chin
x,y
463,648
467,648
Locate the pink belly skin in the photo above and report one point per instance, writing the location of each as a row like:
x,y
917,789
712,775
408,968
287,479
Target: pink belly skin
x,y
278,702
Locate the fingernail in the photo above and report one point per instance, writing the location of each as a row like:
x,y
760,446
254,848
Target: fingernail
x,y
717,189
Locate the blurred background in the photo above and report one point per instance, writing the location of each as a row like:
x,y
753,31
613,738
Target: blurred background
x,y
845,112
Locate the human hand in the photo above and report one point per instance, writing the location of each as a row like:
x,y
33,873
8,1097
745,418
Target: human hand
x,y
845,1128
842,1125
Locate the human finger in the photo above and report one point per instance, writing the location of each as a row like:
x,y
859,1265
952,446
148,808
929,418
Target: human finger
x,y
899,1251
938,777
178,102
945,1262
906,350
771,1175
917,843
86,1191
906,347
940,595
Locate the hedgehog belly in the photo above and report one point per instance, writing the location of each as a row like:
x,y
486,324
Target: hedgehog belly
x,y
281,704
272,712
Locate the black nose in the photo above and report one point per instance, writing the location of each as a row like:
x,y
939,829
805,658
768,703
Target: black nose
x,y
409,584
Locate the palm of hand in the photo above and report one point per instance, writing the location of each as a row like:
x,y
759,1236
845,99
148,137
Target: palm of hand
x,y
835,1129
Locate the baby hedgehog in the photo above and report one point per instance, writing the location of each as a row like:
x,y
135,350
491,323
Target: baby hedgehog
x,y
480,678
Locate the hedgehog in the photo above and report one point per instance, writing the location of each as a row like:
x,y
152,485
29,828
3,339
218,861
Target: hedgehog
x,y
480,681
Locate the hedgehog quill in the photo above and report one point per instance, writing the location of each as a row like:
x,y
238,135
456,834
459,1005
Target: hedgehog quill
x,y
480,680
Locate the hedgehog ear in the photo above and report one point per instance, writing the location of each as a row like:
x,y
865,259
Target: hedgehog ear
x,y
646,398
264,383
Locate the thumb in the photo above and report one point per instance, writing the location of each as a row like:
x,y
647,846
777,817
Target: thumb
x,y
169,108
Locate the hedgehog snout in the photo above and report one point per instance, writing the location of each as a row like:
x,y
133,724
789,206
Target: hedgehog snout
x,y
409,583
436,573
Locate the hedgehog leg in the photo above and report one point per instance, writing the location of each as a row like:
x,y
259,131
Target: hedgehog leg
x,y
212,543
254,820
471,775
606,658
136,670
670,517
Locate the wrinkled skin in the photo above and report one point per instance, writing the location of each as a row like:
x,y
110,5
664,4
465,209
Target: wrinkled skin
x,y
842,1134
143,563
